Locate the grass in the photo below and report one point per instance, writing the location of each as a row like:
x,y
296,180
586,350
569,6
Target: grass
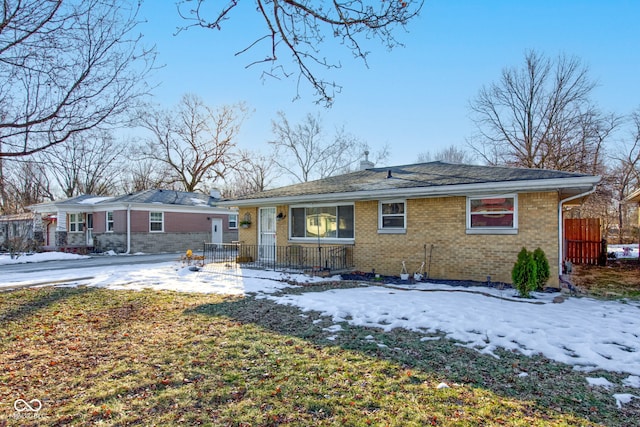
x,y
618,279
101,357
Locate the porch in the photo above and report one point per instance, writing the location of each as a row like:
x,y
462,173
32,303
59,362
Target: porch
x,y
292,258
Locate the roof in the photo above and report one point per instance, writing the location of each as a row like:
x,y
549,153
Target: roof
x,y
423,180
633,197
26,216
166,198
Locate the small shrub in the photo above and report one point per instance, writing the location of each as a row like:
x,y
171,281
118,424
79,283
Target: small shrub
x,y
524,273
542,268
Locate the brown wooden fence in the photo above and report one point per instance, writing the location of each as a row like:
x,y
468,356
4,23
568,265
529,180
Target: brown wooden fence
x,y
583,241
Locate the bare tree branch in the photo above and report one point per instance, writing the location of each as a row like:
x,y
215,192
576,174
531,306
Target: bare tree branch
x,y
194,141
299,29
66,67
540,116
304,151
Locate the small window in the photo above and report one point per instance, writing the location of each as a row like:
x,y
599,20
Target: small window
x,y
156,221
392,215
233,221
75,222
109,222
492,214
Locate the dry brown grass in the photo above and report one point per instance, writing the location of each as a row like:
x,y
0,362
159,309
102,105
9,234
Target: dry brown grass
x,y
618,279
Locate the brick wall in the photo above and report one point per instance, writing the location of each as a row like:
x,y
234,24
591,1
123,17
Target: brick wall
x,y
152,242
441,222
436,229
249,235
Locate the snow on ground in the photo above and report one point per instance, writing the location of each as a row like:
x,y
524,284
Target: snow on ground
x,y
586,333
624,251
39,257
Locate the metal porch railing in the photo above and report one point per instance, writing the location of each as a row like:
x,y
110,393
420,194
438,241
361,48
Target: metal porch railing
x,y
307,259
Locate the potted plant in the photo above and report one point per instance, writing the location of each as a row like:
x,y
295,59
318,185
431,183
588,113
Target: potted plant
x,y
245,224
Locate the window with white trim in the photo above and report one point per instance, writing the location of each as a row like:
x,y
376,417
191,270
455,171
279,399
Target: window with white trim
x,y
156,221
110,222
75,222
233,221
392,215
492,214
322,222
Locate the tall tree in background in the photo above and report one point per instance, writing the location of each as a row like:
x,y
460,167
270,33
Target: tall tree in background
x,y
451,154
302,29
305,153
541,116
88,163
144,174
27,183
65,67
254,173
625,173
193,141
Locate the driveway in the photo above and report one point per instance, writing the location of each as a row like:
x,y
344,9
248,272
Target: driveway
x,y
12,273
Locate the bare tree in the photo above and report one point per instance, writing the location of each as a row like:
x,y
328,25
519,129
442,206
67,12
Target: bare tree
x,y
625,175
66,67
540,116
194,141
144,174
26,183
89,163
254,173
306,153
300,29
451,154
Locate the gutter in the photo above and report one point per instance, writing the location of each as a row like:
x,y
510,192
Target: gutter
x,y
561,225
128,229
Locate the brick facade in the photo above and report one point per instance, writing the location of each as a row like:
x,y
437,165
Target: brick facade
x,y
441,222
152,243
436,229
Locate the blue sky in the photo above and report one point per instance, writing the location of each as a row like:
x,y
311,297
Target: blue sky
x,y
414,98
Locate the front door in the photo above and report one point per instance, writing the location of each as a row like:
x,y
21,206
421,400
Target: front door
x,y
267,234
216,231
89,233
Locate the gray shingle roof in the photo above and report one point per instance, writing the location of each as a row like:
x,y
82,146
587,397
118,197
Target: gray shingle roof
x,y
414,176
167,197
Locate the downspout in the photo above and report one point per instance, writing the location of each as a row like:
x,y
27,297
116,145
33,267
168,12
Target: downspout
x,y
128,229
561,226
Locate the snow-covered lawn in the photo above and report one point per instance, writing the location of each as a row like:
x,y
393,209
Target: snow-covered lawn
x,y
586,333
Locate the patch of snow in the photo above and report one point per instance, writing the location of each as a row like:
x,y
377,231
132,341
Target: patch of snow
x,y
624,398
600,382
39,257
632,381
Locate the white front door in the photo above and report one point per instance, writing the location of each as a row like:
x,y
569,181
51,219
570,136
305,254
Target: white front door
x,y
89,231
216,231
267,234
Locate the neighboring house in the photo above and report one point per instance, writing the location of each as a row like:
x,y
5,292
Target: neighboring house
x,y
465,222
16,231
149,221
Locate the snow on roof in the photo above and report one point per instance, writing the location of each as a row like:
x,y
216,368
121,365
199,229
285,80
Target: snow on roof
x,y
94,200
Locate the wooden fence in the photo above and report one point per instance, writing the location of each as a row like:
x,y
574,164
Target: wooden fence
x,y
583,241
